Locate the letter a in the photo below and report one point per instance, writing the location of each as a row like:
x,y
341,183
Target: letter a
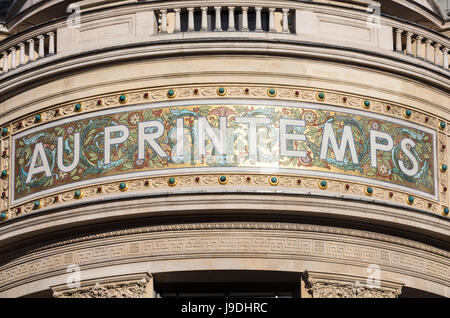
x,y
45,167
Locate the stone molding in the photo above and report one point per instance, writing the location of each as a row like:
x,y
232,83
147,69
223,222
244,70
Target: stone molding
x,y
23,228
237,90
236,226
235,241
157,185
127,286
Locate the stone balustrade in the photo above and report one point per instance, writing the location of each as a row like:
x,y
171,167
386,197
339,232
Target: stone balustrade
x,y
226,18
28,51
421,46
290,21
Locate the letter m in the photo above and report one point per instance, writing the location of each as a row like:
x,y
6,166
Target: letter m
x,y
329,138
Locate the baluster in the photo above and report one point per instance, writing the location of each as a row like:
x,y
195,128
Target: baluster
x,y
398,40
31,50
204,18
408,43
285,20
41,51
218,19
258,19
51,43
13,58
428,47
419,46
271,20
445,51
190,19
163,21
177,20
231,19
437,46
5,62
244,18
22,53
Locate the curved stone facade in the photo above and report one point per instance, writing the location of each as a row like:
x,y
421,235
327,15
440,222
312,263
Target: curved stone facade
x,y
144,142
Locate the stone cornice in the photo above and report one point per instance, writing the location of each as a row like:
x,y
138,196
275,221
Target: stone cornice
x,y
227,226
53,66
269,241
21,229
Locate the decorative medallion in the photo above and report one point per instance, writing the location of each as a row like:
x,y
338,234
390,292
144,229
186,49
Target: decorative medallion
x,y
223,179
171,93
123,186
445,211
221,91
78,194
366,104
78,107
272,92
320,96
323,184
37,204
368,191
407,113
274,181
410,199
172,181
123,99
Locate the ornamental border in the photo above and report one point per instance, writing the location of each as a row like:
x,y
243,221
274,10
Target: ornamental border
x,y
300,94
239,242
214,226
229,183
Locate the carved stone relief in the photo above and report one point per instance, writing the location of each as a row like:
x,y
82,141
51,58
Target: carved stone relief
x,y
325,285
114,287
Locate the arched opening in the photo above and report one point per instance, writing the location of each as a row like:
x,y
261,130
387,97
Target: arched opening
x,y
228,283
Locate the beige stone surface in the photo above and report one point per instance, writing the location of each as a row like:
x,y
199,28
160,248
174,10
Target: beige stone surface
x,y
122,50
232,246
231,69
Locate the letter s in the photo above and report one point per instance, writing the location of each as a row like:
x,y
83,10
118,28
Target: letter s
x,y
415,168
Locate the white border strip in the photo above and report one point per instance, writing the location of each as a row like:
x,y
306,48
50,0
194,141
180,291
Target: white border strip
x,y
224,101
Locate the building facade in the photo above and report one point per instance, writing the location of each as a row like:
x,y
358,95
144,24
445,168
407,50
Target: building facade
x,y
276,148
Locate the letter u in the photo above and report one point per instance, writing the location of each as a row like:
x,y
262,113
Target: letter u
x,y
76,154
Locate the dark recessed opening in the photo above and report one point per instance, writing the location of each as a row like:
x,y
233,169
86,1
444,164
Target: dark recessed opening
x,y
228,283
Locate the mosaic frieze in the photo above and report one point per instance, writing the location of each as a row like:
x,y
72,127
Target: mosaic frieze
x,y
300,138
